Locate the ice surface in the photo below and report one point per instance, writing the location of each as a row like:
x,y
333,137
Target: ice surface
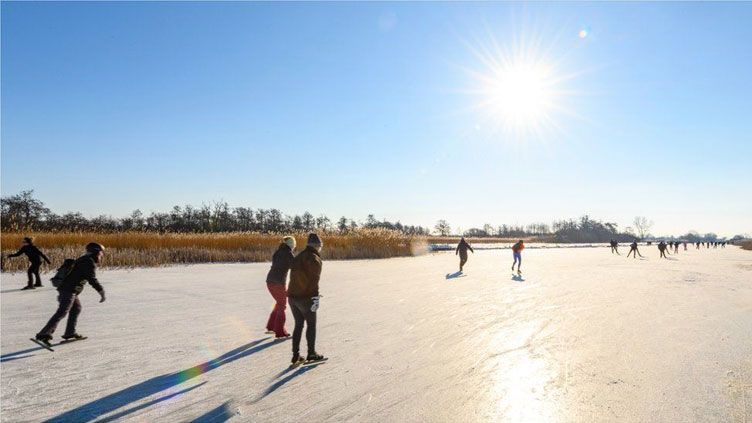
x,y
583,336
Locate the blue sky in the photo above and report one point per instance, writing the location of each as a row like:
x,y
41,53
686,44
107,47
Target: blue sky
x,y
357,108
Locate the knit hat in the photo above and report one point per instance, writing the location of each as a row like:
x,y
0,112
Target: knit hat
x,y
28,240
289,240
314,240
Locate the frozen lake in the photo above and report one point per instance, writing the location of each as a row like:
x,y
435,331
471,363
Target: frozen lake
x,y
583,336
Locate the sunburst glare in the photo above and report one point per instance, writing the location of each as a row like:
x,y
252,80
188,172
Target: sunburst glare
x,y
520,88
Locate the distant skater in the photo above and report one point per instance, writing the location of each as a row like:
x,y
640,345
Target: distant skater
x,y
698,245
614,247
633,249
685,245
83,270
461,249
662,248
303,294
35,257
517,254
676,247
276,281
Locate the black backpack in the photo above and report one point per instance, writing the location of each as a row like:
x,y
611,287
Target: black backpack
x,y
63,272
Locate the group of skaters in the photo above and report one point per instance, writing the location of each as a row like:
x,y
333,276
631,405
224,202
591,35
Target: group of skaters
x,y
665,247
302,293
517,248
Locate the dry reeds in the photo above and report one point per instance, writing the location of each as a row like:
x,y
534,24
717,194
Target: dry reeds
x,y
131,249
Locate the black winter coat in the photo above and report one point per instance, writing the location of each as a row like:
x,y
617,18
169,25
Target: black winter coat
x,y
305,273
83,270
281,261
32,252
462,248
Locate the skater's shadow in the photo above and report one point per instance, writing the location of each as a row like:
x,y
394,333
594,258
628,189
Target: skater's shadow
x,y
278,384
95,409
455,275
218,415
672,259
15,355
517,278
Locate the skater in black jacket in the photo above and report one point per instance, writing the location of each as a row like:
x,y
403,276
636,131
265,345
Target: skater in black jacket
x,y
35,262
303,296
461,249
662,248
614,246
633,249
83,270
276,281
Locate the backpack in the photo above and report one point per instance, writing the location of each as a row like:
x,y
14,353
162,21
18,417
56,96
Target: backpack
x,y
63,272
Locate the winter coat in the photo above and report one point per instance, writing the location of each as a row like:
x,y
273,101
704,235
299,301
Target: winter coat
x,y
518,247
32,252
281,261
84,269
462,248
305,272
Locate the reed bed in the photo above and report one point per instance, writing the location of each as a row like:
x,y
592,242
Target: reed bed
x,y
746,245
134,249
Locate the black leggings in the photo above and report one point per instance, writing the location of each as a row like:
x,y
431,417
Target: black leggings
x,y
463,260
34,272
301,311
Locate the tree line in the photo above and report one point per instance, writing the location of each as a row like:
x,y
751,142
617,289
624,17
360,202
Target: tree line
x,y
24,212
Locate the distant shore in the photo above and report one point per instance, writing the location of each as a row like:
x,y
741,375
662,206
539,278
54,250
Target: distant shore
x,y
150,249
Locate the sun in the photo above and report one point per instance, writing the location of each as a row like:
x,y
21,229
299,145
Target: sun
x,y
520,94
521,89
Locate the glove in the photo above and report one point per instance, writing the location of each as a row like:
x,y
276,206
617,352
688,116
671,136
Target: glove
x,y
315,305
101,294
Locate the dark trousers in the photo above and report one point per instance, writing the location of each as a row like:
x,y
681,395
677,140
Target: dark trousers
x,y
277,318
301,311
463,260
68,305
34,272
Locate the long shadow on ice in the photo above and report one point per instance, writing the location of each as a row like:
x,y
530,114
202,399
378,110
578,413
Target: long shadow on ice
x,y
454,275
218,415
278,384
98,408
14,355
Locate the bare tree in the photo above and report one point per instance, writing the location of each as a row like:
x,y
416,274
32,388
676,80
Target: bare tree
x,y
643,226
442,227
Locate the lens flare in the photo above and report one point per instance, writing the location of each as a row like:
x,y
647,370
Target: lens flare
x,y
520,86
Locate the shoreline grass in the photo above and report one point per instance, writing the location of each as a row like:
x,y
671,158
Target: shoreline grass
x,y
138,249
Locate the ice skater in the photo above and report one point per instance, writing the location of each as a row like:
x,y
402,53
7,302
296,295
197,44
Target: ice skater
x,y
614,247
83,270
303,295
676,247
276,281
517,254
35,257
461,249
662,248
685,245
633,249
